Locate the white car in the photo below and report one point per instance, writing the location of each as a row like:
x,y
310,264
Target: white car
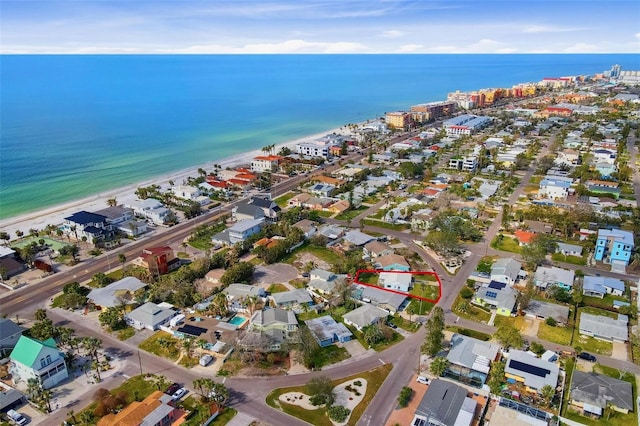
x,y
423,380
17,418
179,394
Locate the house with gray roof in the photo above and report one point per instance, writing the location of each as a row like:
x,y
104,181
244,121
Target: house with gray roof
x,y
116,293
11,399
605,328
364,315
569,249
542,310
292,299
471,358
592,393
149,316
497,296
533,372
238,291
322,283
445,404
387,300
398,281
376,248
601,286
308,227
506,271
279,324
239,232
246,211
328,331
546,276
358,238
331,232
10,333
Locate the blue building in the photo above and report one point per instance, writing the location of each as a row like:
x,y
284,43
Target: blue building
x,y
614,246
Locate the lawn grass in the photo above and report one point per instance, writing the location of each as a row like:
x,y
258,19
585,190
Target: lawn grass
x,y
153,346
318,417
125,333
330,355
596,311
297,283
575,260
368,278
381,224
405,324
559,335
277,288
506,244
381,346
188,361
593,345
200,412
474,313
426,290
351,214
421,307
283,200
535,180
321,253
517,321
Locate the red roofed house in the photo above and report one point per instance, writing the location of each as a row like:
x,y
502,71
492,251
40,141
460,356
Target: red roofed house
x,y
159,260
562,112
430,193
524,237
218,183
335,150
265,163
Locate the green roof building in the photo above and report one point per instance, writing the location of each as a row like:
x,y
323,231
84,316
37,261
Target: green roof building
x,y
37,359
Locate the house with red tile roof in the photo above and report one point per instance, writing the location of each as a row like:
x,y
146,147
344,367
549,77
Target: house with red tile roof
x,y
524,237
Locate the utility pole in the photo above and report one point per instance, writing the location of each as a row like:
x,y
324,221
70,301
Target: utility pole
x,y
140,362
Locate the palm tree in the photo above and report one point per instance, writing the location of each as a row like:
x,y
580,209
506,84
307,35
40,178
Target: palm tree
x,y
187,345
122,259
112,202
548,392
199,385
438,366
219,393
160,381
411,310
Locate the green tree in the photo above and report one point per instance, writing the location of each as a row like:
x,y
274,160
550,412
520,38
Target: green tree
x,y
438,366
404,396
548,392
217,392
496,377
320,389
509,336
112,318
435,333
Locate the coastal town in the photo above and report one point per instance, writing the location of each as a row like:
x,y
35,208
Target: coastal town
x,y
468,261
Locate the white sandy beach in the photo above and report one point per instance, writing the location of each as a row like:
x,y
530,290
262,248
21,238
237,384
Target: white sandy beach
x,y
55,215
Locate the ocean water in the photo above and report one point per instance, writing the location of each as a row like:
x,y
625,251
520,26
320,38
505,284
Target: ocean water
x,y
73,126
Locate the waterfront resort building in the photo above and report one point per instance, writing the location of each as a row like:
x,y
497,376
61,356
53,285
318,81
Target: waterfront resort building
x,y
432,110
398,120
614,246
265,163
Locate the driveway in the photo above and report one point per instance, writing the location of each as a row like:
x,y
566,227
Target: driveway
x,y
531,327
619,351
277,273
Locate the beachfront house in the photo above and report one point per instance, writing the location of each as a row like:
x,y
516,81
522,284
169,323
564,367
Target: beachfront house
x,y
86,225
265,163
40,360
150,209
122,219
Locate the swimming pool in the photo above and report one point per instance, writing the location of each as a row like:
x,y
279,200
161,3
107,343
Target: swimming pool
x,y
238,320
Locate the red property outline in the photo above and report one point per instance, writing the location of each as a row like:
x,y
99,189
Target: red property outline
x,y
378,271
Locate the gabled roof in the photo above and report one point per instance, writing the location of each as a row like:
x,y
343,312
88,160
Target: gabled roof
x,y
28,350
325,328
536,372
109,296
604,326
600,284
9,328
299,295
249,210
376,247
509,267
599,390
524,237
151,314
443,401
274,316
472,353
380,296
391,259
365,315
358,238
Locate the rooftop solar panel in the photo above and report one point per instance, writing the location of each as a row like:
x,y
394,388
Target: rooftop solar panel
x,y
192,330
497,285
531,369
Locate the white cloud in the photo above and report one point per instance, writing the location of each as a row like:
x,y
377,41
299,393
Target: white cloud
x,y
288,46
410,48
392,34
537,29
582,48
637,35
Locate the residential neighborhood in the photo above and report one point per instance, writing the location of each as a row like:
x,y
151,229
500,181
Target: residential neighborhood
x,y
486,246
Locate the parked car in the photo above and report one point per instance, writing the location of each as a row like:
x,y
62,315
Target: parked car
x,y
173,388
423,380
587,356
179,394
205,360
17,418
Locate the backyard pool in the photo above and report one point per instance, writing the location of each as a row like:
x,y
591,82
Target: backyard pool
x,y
238,320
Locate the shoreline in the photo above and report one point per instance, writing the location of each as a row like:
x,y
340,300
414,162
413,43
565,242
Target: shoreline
x,y
55,215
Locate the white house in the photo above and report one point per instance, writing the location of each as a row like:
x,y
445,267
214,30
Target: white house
x,y
265,163
554,189
41,360
506,271
395,281
186,192
149,316
151,209
364,315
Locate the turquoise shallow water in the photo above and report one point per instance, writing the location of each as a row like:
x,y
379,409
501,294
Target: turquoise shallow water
x,y
73,126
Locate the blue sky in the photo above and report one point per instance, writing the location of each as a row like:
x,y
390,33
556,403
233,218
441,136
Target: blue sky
x,y
313,26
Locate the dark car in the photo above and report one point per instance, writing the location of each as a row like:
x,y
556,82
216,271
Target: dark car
x,y
587,357
172,389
